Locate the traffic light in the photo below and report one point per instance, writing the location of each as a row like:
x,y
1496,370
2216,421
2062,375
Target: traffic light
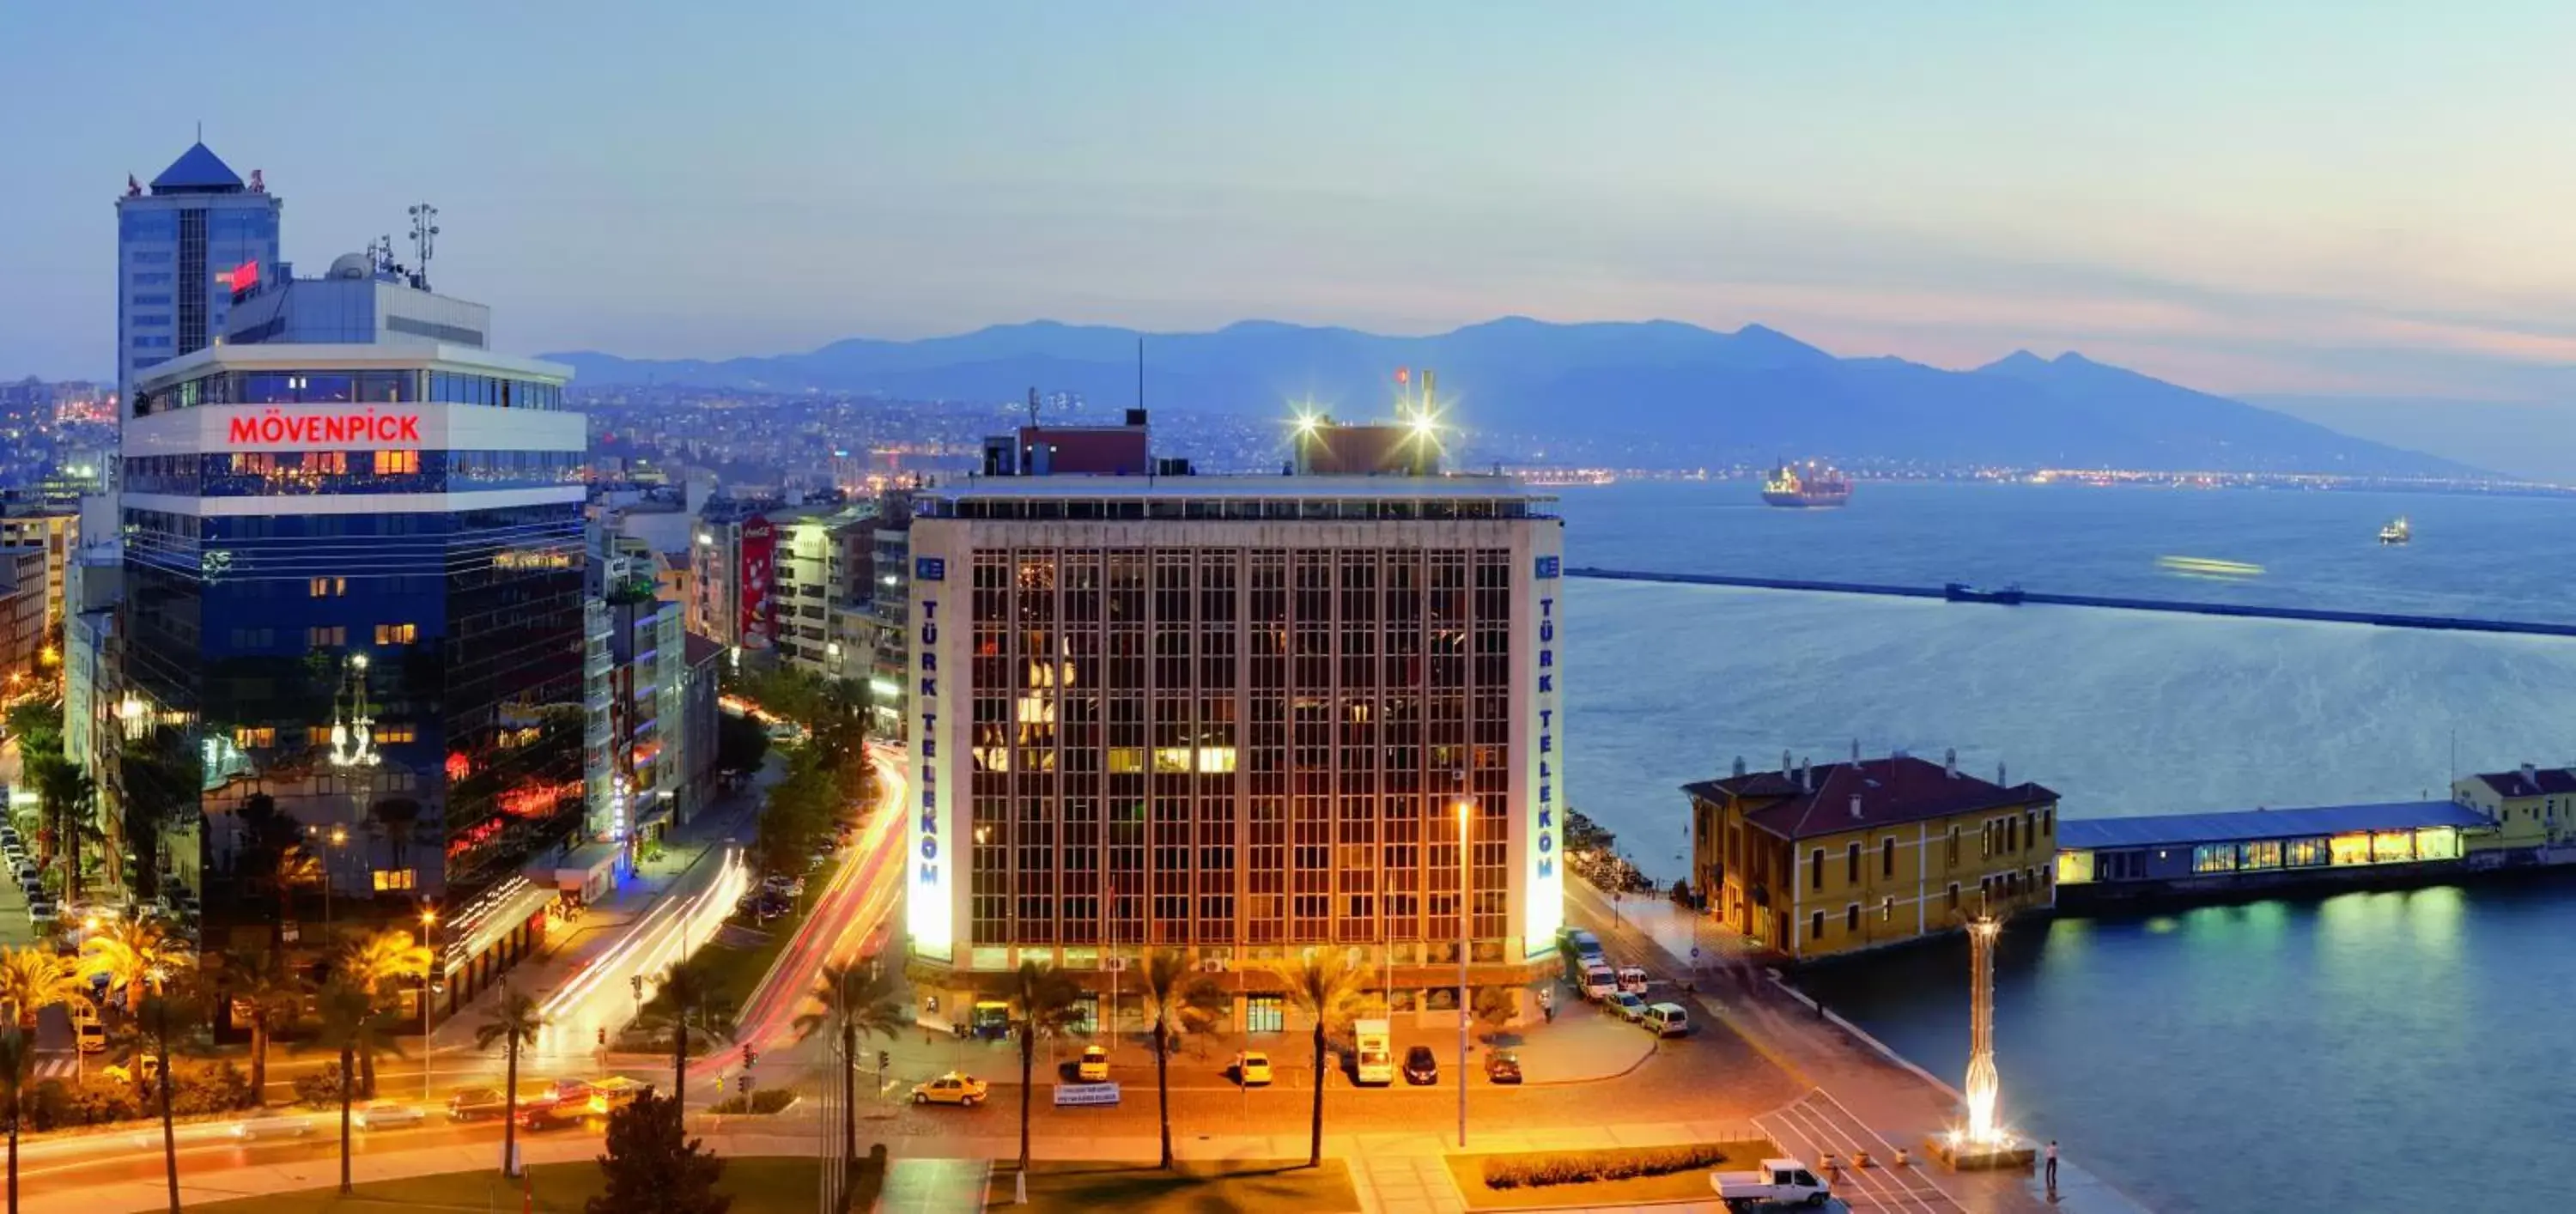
x,y
744,1083
884,1060
635,983
749,1055
603,1036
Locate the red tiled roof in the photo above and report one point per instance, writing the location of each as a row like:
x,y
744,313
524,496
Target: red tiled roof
x,y
2545,781
1897,789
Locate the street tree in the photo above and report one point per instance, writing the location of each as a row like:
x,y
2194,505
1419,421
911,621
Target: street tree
x,y
382,964
347,1028
17,1074
685,997
133,953
168,1022
857,1001
1324,985
265,993
33,979
515,1025
653,1167
1178,999
1045,1002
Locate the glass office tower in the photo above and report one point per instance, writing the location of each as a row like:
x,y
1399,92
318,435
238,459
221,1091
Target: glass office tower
x,y
353,611
178,247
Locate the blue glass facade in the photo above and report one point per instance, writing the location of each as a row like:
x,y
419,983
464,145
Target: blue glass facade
x,y
176,252
457,633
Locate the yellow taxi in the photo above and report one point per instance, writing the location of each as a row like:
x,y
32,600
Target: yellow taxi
x,y
1094,1067
955,1087
1252,1069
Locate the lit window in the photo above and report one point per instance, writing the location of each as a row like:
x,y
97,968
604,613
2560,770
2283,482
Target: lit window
x,y
397,634
397,463
331,462
386,734
329,587
318,638
249,738
396,878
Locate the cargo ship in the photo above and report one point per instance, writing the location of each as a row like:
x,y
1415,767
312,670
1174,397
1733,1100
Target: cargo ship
x,y
1808,487
2396,532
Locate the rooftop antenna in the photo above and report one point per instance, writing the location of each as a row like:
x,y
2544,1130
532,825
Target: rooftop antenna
x,y
1140,370
1033,407
424,241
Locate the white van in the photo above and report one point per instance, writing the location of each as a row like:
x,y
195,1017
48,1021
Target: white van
x,y
1632,979
1599,982
1666,1020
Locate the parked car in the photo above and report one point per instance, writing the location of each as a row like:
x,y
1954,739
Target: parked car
x,y
1778,1182
1632,979
272,1127
40,912
1252,1069
1502,1066
1094,1067
1421,1066
1599,982
1667,1020
471,1104
386,1114
955,1087
1630,1008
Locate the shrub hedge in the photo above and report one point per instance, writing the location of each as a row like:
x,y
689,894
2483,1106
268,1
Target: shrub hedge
x,y
766,1100
1581,1167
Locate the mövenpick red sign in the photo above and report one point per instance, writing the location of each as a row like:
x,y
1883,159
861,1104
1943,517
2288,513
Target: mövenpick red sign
x,y
354,426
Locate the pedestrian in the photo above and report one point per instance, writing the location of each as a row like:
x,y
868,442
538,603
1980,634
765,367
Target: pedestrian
x,y
1547,1003
2052,1169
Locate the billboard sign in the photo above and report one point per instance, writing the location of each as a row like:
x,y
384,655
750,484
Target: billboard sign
x,y
759,572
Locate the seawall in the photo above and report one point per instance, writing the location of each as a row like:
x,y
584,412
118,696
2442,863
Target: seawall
x,y
2382,619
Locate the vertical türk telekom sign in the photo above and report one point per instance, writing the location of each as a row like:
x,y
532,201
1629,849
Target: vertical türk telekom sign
x,y
759,555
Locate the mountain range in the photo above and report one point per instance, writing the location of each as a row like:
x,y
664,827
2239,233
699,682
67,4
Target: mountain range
x,y
1698,394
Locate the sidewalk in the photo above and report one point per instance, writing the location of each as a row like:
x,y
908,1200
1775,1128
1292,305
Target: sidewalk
x,y
1868,1090
1585,1045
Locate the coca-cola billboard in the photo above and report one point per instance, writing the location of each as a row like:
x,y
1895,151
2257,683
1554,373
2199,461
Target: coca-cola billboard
x,y
759,569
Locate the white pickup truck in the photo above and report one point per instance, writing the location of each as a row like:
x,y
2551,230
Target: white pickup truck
x,y
1780,1182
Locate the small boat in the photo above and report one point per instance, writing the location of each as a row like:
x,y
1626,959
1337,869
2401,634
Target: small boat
x,y
1961,592
2396,532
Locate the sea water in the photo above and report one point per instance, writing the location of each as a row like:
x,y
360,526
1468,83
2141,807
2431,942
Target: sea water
x,y
2289,1055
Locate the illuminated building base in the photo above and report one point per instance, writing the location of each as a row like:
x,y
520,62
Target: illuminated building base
x,y
1960,1153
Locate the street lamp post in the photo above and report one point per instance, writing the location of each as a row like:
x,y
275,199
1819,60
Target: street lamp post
x,y
1464,807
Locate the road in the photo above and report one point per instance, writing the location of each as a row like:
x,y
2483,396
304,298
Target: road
x,y
851,918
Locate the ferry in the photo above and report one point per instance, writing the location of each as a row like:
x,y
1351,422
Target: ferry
x,y
1811,487
2396,532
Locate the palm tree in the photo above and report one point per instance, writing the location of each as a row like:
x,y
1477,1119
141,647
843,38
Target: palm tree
x,y
33,979
514,1024
265,993
66,792
17,1073
133,952
158,1026
857,1001
685,996
1324,985
352,1025
1178,999
1044,1002
380,965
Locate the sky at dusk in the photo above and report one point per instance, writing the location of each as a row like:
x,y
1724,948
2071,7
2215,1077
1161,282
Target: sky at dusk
x,y
2288,198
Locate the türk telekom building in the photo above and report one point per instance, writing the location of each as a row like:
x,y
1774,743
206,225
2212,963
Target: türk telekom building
x,y
1235,716
353,593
